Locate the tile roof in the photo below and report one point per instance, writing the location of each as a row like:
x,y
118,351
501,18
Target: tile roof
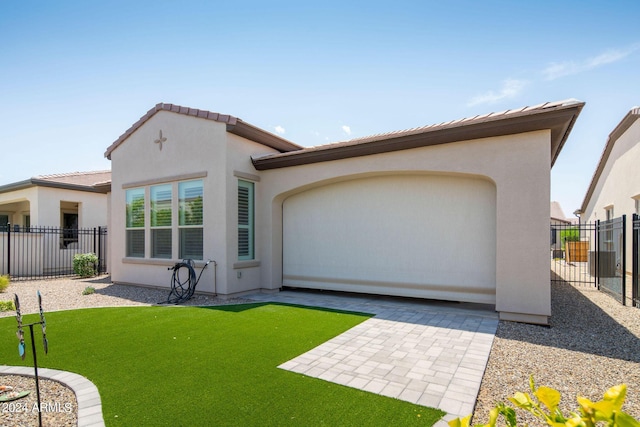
x,y
556,211
234,125
94,181
557,116
77,178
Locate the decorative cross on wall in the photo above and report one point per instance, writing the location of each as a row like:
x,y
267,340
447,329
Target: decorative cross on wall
x,y
160,140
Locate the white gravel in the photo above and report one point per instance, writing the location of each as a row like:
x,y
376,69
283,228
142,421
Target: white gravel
x,y
593,343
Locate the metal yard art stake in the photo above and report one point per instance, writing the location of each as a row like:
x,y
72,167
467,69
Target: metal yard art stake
x,y
21,346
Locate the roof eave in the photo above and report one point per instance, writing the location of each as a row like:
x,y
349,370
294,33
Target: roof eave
x,y
64,185
234,125
14,186
559,119
253,133
35,182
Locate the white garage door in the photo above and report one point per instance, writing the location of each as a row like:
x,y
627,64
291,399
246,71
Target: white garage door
x,y
428,236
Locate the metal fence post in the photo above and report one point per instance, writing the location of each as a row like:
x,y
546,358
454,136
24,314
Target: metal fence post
x,y
597,254
635,298
98,251
9,250
624,259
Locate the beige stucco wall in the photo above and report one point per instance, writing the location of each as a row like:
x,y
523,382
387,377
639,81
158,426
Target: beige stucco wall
x,y
619,184
514,168
410,234
518,165
194,149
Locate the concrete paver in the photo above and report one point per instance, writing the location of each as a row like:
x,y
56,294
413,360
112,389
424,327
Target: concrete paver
x,y
425,352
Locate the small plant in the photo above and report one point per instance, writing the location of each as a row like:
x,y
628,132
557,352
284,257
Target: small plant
x,y
569,235
84,265
7,306
4,282
607,411
89,290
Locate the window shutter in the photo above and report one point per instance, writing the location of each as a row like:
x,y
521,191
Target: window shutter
x,y
245,220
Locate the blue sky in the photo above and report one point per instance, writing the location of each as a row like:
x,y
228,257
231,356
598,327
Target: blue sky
x,y
74,75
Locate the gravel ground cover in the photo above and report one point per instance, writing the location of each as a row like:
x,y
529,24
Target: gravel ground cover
x,y
593,343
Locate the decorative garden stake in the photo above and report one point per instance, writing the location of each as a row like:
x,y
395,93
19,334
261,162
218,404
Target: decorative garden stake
x,y
20,332
21,347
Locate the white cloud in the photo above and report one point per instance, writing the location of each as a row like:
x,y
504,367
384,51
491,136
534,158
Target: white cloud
x,y
510,88
568,68
279,130
346,129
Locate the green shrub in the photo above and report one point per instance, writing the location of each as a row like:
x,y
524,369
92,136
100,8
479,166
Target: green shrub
x,y
4,282
84,265
7,306
89,290
544,406
569,235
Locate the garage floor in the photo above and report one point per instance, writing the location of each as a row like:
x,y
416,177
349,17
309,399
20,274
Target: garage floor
x,y
431,353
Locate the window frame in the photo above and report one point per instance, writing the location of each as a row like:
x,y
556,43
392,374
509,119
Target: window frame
x,y
608,213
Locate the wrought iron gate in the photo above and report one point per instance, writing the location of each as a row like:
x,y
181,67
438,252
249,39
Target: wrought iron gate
x,y
574,255
593,254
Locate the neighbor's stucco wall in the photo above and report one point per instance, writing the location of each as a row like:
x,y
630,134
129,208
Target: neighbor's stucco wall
x,y
43,205
619,184
518,165
17,203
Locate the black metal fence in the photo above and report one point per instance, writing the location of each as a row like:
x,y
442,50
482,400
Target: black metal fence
x,y
592,254
635,281
45,252
573,253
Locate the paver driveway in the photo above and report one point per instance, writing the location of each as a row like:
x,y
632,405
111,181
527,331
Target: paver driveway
x,y
426,352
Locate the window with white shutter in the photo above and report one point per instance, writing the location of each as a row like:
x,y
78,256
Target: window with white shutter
x,y
191,219
245,220
161,221
135,222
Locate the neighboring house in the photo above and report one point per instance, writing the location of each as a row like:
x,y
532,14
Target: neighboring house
x,y
42,205
455,211
558,223
615,187
70,200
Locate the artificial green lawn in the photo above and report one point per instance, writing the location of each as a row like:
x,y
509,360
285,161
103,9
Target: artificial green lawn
x,y
189,366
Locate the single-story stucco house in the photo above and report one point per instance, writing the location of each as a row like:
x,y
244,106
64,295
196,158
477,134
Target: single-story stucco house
x,y
49,217
454,211
76,199
615,186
